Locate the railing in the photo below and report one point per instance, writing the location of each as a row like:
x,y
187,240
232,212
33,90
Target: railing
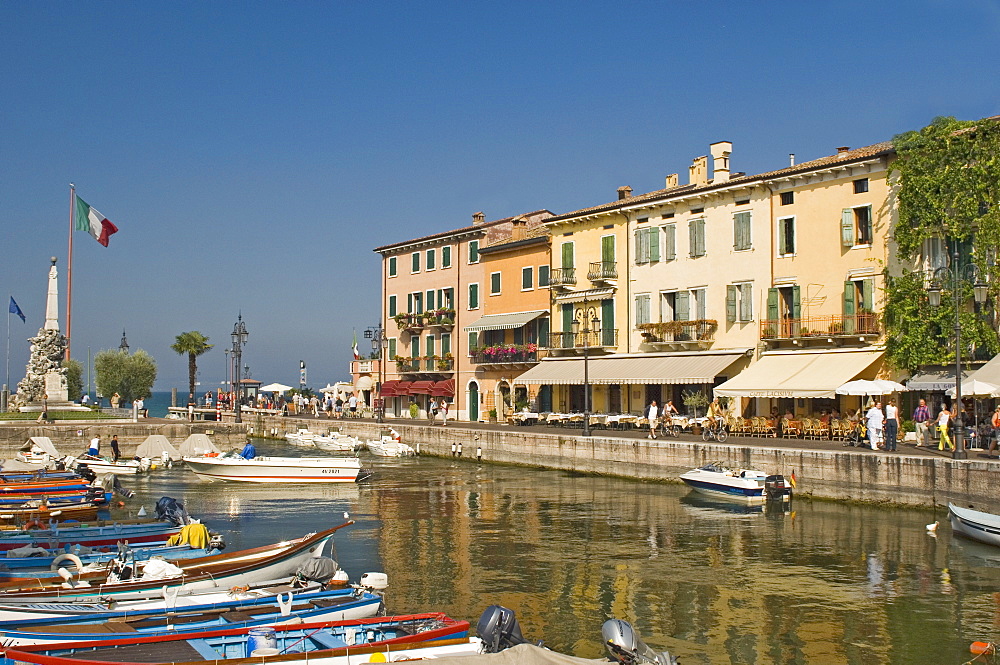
x,y
699,330
562,277
497,355
579,340
865,323
602,270
409,365
409,321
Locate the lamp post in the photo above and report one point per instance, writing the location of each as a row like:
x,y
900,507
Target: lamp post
x,y
958,275
229,369
379,343
590,324
123,347
239,336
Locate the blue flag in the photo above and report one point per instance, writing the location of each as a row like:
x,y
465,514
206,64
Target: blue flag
x,y
14,309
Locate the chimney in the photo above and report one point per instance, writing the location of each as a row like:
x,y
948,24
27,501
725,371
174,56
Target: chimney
x,y
842,149
698,171
624,192
518,229
720,160
671,181
791,159
478,218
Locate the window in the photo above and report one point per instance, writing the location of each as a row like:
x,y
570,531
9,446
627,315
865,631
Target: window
x,y
642,220
856,226
429,347
668,215
739,302
473,341
669,242
642,308
697,211
431,259
568,255
700,304
741,231
786,236
742,202
415,262
543,276
473,251
446,256
696,238
934,253
473,296
392,266
861,186
392,305
787,198
430,300
392,347
527,278
414,346
647,245
445,343
494,283
416,303
449,297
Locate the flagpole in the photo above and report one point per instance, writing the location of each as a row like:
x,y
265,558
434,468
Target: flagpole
x,y
69,271
7,378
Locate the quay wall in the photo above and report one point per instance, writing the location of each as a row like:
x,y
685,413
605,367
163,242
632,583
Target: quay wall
x,y
73,438
848,475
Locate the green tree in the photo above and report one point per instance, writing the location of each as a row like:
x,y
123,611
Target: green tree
x,y
74,379
192,344
131,376
948,194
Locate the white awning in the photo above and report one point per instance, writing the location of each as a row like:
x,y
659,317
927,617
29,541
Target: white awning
x,y
680,369
815,374
363,383
591,295
505,321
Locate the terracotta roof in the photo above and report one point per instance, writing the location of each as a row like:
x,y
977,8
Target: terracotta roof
x,y
463,230
857,154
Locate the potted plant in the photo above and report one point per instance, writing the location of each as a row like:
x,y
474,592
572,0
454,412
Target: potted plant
x,y
414,410
493,415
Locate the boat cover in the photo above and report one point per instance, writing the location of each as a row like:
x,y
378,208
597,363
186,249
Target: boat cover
x,y
522,654
198,444
42,444
155,446
318,569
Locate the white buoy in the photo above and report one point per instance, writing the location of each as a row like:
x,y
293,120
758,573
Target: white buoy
x,y
142,511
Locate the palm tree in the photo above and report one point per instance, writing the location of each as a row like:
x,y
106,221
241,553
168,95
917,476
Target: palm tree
x,y
193,344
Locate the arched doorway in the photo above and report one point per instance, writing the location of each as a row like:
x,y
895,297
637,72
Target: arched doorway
x,y
504,402
473,401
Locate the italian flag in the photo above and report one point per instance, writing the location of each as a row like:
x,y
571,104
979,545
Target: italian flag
x,y
354,346
88,219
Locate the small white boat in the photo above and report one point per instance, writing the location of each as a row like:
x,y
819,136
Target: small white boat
x,y
336,441
277,469
100,465
301,437
38,450
975,524
730,481
389,444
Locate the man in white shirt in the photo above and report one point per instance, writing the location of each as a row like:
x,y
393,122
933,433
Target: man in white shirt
x,y
875,419
95,446
652,413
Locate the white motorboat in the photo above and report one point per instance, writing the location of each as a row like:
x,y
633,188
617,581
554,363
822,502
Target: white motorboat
x,y
730,481
975,524
300,437
99,465
336,441
389,444
277,469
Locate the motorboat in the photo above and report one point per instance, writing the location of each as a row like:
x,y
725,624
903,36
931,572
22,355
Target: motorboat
x,y
300,437
96,534
336,441
100,465
41,512
731,481
38,450
975,524
389,444
235,467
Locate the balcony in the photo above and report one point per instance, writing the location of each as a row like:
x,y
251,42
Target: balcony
x,y
443,318
603,271
409,322
679,335
425,365
506,355
562,277
603,340
865,327
407,365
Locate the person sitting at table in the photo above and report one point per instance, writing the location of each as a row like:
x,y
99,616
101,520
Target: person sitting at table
x,y
825,417
789,414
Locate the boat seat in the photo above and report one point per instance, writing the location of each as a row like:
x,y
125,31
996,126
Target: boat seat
x,y
204,649
328,641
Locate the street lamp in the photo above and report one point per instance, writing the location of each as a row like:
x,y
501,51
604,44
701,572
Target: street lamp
x,y
958,274
239,336
590,324
379,343
229,370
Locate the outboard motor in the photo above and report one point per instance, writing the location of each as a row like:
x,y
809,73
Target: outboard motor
x,y
171,510
86,473
775,487
217,542
626,647
499,630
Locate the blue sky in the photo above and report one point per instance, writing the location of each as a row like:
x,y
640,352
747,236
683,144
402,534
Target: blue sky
x,y
252,154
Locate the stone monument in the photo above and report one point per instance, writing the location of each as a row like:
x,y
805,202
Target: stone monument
x,y
44,383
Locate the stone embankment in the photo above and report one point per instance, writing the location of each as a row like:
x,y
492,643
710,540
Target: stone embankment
x,y
846,474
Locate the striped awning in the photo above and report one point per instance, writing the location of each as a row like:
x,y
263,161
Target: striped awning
x,y
395,388
588,295
420,388
812,374
443,388
679,369
505,321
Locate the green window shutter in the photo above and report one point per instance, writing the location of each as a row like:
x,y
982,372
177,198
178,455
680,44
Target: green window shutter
x,y
392,347
730,303
495,283
409,303
847,227
772,304
473,341
527,278
392,305
445,344
640,255
392,266
567,317
429,303
449,297
414,346
608,322
670,234
781,237
692,239
473,251
608,249
430,345
701,237
682,310
746,302
431,259
543,275
473,296
796,302
850,291
654,244
567,255
868,294
415,262
446,256
543,331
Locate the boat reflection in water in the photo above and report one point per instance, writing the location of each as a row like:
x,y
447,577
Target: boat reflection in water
x,y
702,505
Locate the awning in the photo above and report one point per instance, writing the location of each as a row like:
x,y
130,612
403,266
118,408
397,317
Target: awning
x,y
505,321
682,369
988,373
938,380
420,388
394,388
363,383
592,295
815,374
443,388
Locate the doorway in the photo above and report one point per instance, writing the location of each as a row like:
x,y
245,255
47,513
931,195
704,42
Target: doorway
x,y
473,401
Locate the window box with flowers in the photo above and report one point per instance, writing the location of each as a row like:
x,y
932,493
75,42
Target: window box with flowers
x,y
506,353
445,362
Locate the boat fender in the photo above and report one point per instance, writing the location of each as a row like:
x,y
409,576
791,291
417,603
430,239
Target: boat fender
x,y
66,557
170,596
34,524
982,648
285,605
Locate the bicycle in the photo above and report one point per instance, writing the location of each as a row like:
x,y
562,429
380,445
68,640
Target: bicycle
x,y
857,436
669,428
716,433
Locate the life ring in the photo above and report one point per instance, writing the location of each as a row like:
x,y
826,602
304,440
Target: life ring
x,y
66,557
34,524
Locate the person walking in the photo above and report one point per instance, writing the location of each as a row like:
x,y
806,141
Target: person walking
x,y
922,417
115,452
891,425
443,410
942,424
874,421
995,422
652,412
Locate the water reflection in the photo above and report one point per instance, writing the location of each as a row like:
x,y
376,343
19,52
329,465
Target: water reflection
x,y
823,583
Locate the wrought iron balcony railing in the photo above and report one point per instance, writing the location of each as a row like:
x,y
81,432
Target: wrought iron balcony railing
x,y
601,271
562,277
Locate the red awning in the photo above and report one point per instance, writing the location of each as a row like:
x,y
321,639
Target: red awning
x,y
420,388
403,388
443,388
388,388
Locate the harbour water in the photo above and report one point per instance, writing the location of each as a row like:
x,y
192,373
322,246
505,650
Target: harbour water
x,y
713,583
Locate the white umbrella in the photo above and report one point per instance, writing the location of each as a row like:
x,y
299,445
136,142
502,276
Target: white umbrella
x,y
274,388
891,386
860,387
974,388
329,389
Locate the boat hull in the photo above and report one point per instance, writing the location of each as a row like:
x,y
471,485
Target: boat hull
x,y
277,469
732,487
975,524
